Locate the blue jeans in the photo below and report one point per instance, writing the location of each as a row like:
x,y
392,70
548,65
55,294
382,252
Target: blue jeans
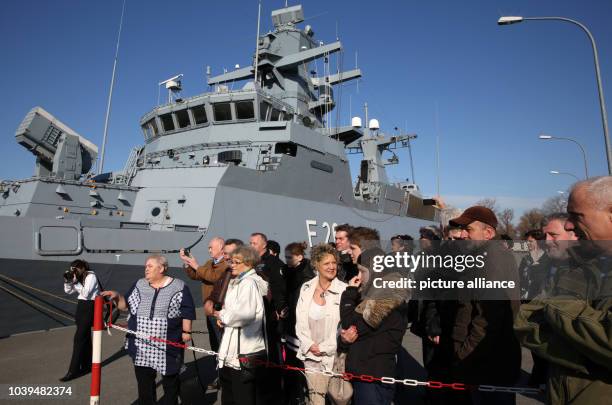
x,y
372,393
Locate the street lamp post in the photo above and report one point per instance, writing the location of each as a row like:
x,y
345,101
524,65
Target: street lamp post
x,y
586,169
565,173
507,20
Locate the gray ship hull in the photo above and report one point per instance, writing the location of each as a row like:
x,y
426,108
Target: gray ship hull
x,y
241,212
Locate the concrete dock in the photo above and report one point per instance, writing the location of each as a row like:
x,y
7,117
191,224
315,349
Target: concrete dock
x,y
41,358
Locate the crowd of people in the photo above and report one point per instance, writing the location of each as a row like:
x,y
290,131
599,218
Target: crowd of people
x,y
319,310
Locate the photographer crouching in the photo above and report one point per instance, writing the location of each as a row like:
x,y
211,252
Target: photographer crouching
x,y
79,279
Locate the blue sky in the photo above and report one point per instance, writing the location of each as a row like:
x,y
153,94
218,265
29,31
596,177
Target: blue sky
x,y
494,88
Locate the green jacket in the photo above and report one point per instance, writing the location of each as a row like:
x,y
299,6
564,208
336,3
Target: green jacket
x,y
573,330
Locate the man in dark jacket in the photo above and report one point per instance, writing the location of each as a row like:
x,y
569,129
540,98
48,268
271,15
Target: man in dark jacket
x,y
272,269
485,349
346,268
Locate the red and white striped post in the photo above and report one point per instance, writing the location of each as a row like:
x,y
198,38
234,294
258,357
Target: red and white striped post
x,y
96,356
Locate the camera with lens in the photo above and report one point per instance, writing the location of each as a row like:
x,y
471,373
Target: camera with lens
x,y
69,275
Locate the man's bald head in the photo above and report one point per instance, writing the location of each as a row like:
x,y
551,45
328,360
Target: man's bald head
x,y
215,247
590,209
598,191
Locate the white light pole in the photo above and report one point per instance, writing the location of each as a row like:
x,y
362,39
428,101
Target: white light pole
x,y
565,173
508,20
586,169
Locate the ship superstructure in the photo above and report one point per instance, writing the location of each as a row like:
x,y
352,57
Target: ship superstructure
x,y
228,162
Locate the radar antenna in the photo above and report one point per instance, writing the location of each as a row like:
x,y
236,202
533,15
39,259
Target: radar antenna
x,y
174,86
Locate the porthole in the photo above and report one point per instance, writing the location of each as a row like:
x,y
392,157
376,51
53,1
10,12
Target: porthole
x,y
155,211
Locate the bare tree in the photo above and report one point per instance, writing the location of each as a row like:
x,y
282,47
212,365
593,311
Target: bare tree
x,y
490,203
555,204
531,219
505,222
505,216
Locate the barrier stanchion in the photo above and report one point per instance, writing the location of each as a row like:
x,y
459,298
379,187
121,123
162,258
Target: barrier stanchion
x,y
96,356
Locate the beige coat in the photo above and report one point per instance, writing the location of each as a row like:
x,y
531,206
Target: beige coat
x,y
332,321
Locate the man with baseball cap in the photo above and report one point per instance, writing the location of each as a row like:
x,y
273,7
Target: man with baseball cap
x,y
485,350
478,224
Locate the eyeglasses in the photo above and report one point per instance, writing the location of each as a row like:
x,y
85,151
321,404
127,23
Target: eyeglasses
x,y
235,261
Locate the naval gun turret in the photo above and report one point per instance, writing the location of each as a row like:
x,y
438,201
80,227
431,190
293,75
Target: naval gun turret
x,y
60,152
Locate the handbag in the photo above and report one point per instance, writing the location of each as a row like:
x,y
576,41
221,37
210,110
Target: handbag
x,y
340,391
254,360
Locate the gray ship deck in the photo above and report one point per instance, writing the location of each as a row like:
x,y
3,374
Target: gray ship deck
x,y
40,358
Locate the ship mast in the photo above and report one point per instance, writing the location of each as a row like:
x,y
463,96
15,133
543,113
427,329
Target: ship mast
x,y
110,94
257,42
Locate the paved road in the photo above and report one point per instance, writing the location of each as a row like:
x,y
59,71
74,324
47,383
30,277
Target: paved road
x,y
40,358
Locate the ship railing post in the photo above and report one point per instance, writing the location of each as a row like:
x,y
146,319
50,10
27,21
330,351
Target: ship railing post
x,y
96,356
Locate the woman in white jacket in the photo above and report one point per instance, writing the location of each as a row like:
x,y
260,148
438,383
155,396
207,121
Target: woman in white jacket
x,y
242,320
318,317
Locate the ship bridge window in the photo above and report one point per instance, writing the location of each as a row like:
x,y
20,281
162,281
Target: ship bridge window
x,y
222,111
167,122
263,110
245,110
182,118
199,114
155,127
148,132
150,129
276,115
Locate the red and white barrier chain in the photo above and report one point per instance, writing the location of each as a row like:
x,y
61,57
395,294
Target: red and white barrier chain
x,y
347,376
158,339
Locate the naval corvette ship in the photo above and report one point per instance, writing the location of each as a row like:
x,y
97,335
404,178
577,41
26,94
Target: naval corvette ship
x,y
223,163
